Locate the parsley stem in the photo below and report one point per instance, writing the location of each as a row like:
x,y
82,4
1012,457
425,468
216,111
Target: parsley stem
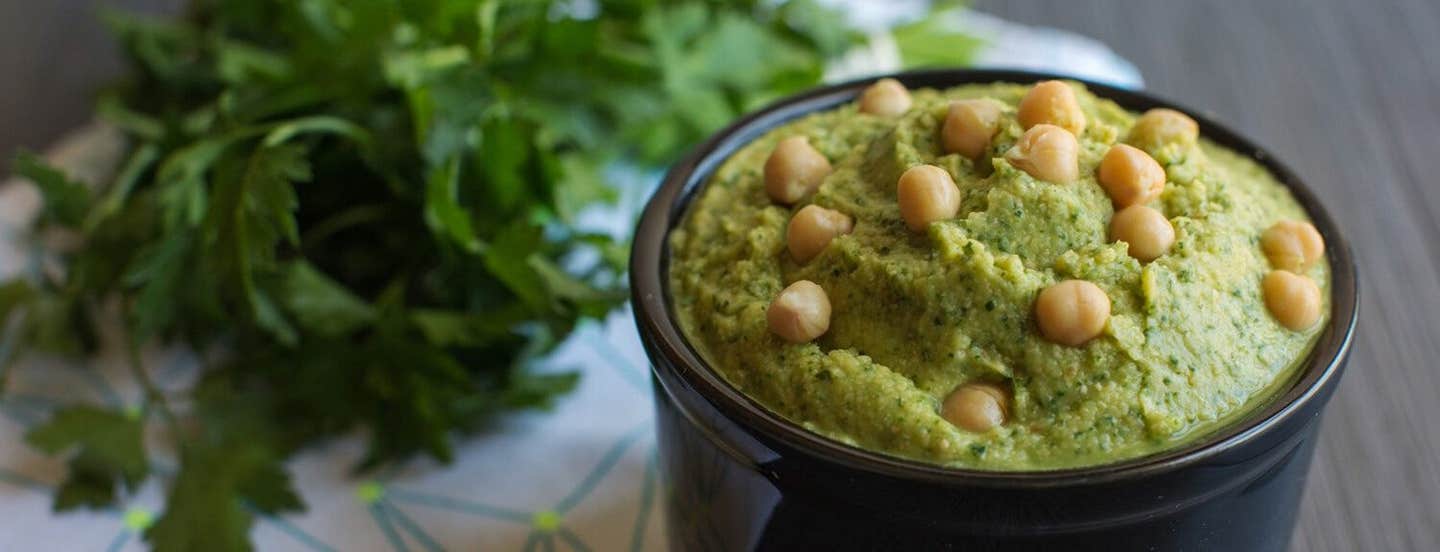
x,y
153,395
355,216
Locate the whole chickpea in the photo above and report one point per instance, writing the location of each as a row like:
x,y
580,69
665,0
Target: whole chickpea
x,y
794,170
1130,176
1293,300
1072,312
969,126
1047,152
800,313
812,229
1292,245
976,407
1161,126
1148,232
885,98
1052,102
926,194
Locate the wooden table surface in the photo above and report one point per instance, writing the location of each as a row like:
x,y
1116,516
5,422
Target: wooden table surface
x,y
1346,92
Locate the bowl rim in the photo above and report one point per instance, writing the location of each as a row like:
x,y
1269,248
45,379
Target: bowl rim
x,y
650,294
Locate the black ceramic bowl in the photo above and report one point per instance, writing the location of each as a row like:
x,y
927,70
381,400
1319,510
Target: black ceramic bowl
x,y
740,477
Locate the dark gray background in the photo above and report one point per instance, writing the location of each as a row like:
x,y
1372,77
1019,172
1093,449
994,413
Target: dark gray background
x,y
54,54
1347,92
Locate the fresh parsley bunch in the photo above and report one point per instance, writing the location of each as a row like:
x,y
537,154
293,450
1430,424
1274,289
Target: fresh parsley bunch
x,y
363,214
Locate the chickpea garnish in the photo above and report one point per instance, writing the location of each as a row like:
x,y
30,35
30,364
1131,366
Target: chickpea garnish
x,y
800,313
1292,245
1161,126
926,193
1072,312
885,98
1147,231
1047,152
1293,300
969,126
1131,176
976,407
1052,102
794,170
811,230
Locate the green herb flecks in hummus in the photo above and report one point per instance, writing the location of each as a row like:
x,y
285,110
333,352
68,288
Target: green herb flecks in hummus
x,y
914,316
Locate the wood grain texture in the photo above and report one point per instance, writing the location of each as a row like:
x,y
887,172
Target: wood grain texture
x,y
1348,94
54,56
1345,92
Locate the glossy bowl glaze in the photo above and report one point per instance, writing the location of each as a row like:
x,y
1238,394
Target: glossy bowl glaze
x,y
739,477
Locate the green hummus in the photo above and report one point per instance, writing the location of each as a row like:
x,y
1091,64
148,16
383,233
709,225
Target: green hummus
x,y
1188,347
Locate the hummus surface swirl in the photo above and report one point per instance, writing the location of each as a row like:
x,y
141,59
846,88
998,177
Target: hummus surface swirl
x,y
1189,344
